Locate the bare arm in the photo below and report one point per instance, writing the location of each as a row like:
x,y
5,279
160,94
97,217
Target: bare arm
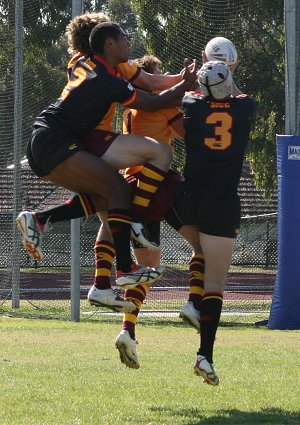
x,y
153,82
153,102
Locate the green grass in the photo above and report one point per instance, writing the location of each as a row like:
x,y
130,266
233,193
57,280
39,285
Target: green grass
x,y
64,373
234,311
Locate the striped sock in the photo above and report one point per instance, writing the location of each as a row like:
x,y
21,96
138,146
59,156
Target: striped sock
x,y
137,296
196,280
119,221
80,205
104,257
150,177
211,307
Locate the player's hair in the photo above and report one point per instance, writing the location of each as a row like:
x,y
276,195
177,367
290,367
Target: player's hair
x,y
79,29
148,63
101,32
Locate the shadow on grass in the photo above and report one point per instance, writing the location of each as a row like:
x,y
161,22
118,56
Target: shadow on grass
x,y
235,417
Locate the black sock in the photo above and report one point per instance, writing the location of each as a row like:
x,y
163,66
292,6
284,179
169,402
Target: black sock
x,y
119,221
211,307
80,205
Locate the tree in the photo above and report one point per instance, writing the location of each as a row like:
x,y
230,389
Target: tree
x,y
44,63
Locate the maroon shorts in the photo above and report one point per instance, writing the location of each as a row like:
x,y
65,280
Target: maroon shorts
x,y
98,141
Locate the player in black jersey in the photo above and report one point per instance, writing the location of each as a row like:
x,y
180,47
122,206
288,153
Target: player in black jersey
x,y
56,151
207,207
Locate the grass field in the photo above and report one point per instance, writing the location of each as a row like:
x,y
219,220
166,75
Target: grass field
x,y
64,373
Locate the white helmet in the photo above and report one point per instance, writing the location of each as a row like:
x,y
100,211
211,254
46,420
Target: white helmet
x,y
215,80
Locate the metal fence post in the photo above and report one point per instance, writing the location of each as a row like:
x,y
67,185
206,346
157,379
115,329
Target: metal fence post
x,y
18,88
75,232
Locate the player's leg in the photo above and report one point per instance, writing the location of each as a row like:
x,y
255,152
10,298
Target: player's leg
x,y
125,341
217,253
85,173
129,150
73,173
118,223
162,200
123,151
183,211
146,256
108,247
101,293
190,312
33,224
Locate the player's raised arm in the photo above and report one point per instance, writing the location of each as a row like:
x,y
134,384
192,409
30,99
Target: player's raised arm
x,y
171,97
153,82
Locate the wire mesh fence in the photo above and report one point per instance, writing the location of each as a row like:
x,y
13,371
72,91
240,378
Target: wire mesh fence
x,y
44,287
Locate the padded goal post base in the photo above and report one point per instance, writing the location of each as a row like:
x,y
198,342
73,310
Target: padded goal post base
x,y
285,309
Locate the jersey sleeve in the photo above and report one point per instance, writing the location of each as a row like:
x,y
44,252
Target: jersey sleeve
x,y
124,92
128,70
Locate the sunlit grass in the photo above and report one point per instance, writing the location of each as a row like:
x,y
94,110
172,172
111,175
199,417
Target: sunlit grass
x,y
55,372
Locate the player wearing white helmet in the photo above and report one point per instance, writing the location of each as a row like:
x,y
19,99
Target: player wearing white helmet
x,y
207,208
221,49
215,79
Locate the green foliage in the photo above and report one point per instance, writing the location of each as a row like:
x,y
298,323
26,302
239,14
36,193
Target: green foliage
x,y
170,29
44,63
176,29
122,12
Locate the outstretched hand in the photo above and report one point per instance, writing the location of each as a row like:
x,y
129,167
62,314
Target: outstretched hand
x,y
186,62
189,73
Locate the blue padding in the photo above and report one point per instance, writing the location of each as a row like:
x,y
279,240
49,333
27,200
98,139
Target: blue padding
x,y
285,309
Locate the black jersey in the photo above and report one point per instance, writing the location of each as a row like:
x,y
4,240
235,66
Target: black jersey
x,y
85,100
217,133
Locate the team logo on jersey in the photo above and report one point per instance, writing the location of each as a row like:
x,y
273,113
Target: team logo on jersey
x,y
72,147
91,65
294,152
130,86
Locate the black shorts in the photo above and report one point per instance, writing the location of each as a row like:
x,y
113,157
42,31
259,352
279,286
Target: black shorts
x,y
153,228
49,147
216,212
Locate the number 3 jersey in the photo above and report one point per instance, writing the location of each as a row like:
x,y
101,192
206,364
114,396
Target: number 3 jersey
x,y
216,138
